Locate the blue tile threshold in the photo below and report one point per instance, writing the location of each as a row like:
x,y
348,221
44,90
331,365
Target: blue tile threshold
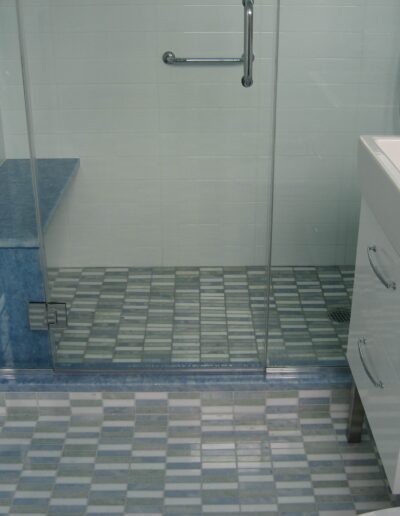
x,y
280,379
18,225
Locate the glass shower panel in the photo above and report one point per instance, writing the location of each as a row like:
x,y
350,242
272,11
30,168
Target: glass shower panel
x,y
159,245
21,278
338,79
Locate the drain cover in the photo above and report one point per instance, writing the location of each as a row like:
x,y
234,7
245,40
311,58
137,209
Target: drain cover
x,y
339,314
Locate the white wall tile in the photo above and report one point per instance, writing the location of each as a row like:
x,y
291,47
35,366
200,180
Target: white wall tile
x,y
338,79
2,148
175,161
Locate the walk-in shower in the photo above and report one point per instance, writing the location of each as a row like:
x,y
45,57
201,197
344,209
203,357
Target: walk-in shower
x,y
178,219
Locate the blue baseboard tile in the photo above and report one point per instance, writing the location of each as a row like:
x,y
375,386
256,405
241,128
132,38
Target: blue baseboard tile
x,y
157,381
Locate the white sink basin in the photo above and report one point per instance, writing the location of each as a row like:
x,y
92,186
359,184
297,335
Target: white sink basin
x,y
379,163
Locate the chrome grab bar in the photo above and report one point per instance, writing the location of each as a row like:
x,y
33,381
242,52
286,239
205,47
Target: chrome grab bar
x,y
387,283
170,58
247,79
377,383
247,59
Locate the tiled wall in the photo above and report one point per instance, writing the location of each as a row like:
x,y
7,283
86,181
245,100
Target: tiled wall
x,y
13,125
2,150
174,161
338,78
2,146
21,277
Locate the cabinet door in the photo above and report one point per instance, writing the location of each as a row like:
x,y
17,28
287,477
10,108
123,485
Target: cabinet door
x,y
374,339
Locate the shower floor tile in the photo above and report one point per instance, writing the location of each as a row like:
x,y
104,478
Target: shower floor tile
x,y
206,315
300,330
170,453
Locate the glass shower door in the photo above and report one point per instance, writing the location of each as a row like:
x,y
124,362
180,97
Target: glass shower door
x,y
338,79
21,275
146,113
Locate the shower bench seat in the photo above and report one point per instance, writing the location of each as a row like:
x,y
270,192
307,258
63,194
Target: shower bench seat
x,y
17,205
21,275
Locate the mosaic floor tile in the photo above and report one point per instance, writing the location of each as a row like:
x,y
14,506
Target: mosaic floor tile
x,y
156,316
183,453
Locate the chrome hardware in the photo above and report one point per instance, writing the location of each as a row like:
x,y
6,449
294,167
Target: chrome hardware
x,y
387,283
247,59
377,383
247,79
170,59
42,316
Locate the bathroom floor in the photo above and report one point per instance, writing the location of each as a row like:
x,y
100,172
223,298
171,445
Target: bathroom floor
x,y
171,453
203,315
300,330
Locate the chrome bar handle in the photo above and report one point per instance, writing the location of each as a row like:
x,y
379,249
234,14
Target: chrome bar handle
x,y
387,283
247,79
377,383
170,58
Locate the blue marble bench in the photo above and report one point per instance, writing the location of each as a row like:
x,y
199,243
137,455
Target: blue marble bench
x,y
21,278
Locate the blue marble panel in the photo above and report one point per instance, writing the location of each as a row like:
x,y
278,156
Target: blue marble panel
x,y
17,206
21,281
161,381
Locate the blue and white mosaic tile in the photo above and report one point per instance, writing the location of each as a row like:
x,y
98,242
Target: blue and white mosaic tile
x,y
182,453
207,315
300,331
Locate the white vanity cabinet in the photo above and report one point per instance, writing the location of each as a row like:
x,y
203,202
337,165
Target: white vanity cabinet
x,y
374,338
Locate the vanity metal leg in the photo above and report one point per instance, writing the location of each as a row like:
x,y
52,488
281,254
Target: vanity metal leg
x,y
356,417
